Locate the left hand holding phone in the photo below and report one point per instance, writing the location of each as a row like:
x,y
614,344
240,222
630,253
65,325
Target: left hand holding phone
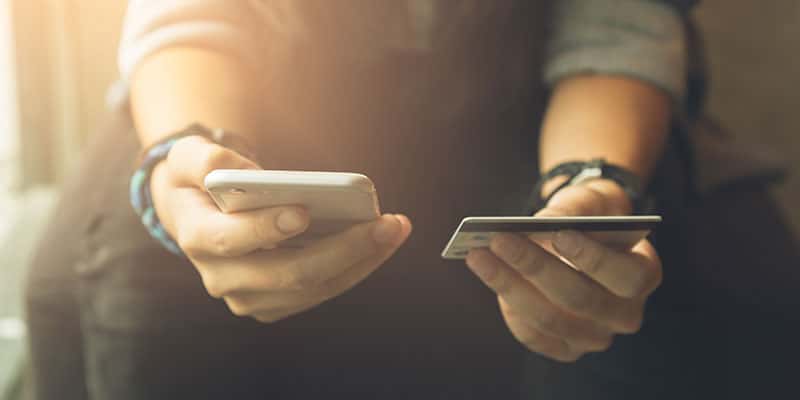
x,y
235,253
563,312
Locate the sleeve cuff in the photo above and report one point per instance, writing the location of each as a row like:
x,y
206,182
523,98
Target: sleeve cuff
x,y
636,38
152,25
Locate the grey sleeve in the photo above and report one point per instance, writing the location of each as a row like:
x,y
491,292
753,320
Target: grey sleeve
x,y
225,25
684,6
643,39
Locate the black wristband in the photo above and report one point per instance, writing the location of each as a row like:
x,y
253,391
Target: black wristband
x,y
580,171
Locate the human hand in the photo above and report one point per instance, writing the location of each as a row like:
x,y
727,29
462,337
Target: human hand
x,y
236,255
563,312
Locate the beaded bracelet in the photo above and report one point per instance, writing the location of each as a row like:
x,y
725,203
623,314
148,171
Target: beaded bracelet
x,y
139,190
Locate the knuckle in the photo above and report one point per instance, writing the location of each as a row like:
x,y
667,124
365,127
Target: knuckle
x,y
518,255
297,278
216,156
506,309
268,318
214,287
528,264
657,278
637,284
548,321
523,332
601,345
532,340
181,146
263,227
221,244
189,240
306,281
590,259
570,357
501,283
551,351
630,326
579,301
327,289
237,308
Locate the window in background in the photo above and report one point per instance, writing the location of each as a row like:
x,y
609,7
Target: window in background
x,y
8,105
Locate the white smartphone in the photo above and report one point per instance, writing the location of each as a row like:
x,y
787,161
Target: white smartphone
x,y
619,232
334,200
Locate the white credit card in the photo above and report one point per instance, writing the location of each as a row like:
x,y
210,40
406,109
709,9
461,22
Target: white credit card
x,y
617,232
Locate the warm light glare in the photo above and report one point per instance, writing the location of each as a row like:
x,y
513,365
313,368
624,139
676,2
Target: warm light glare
x,y
8,103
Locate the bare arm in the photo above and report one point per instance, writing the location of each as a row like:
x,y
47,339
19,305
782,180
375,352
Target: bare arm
x,y
178,86
616,68
623,120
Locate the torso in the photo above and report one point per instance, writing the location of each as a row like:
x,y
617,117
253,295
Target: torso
x,y
442,113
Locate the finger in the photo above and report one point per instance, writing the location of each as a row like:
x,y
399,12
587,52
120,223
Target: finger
x,y
599,340
362,269
627,275
330,256
540,342
575,201
519,298
263,304
308,269
209,232
279,314
565,287
250,305
193,157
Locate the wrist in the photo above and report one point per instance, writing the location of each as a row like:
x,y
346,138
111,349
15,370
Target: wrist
x,y
159,182
619,189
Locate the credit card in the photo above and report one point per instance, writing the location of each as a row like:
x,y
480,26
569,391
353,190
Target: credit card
x,y
618,232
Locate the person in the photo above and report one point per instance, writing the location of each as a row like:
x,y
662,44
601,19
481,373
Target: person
x,y
442,104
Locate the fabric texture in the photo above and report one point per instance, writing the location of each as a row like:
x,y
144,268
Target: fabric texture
x,y
640,39
113,315
150,25
637,38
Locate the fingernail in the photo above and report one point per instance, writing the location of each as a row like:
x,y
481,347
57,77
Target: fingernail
x,y
290,221
386,229
567,243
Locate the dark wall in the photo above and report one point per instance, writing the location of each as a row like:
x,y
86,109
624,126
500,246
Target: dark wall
x,y
754,51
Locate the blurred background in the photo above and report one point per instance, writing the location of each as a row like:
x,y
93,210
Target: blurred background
x,y
58,59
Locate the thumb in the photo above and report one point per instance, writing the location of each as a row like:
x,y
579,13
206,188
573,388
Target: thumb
x,y
193,157
573,201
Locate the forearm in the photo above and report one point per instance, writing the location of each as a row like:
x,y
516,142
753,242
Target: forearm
x,y
620,119
623,120
178,86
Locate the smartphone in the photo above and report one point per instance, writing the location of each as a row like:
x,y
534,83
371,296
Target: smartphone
x,y
618,232
335,200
